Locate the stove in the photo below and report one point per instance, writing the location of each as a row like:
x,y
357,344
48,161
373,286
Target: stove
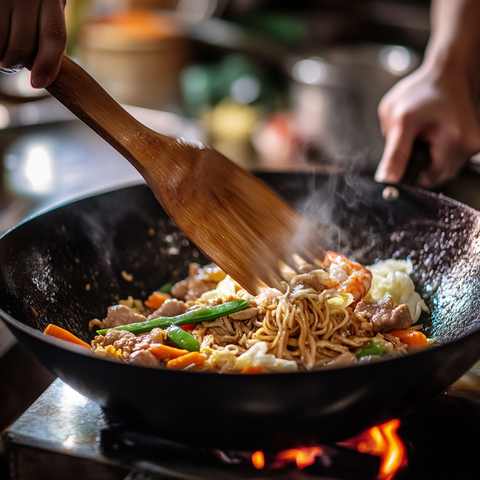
x,y
66,435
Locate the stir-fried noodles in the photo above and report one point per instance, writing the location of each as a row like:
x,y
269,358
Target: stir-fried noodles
x,y
319,317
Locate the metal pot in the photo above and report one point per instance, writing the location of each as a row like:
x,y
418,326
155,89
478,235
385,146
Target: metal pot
x,y
335,94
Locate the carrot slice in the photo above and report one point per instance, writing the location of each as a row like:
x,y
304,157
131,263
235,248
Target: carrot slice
x,y
412,338
164,352
251,369
192,358
58,332
156,300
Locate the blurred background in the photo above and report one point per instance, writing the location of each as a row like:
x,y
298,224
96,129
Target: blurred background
x,y
273,84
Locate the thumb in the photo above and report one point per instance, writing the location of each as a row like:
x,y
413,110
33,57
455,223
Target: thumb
x,y
398,146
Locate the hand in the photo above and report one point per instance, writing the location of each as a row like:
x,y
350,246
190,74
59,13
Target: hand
x,y
33,35
437,106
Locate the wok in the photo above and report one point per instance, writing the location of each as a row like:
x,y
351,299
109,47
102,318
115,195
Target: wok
x,y
65,267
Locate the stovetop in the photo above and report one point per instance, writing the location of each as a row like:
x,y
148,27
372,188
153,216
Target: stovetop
x,y
65,435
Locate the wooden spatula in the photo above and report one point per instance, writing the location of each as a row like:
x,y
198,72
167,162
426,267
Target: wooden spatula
x,y
235,220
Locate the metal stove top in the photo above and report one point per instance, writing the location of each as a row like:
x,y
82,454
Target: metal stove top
x,y
65,435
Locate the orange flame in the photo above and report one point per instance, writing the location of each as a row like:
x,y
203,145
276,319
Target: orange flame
x,y
384,442
258,460
303,457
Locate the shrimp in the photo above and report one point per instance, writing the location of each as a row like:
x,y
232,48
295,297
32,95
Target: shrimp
x,y
347,275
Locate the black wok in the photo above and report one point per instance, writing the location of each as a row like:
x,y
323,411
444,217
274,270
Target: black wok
x,y
65,267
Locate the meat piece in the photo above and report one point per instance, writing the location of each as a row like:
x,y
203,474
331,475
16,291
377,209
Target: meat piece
x,y
197,287
170,308
121,315
129,343
142,342
144,358
126,341
111,337
384,315
179,290
199,281
117,338
193,269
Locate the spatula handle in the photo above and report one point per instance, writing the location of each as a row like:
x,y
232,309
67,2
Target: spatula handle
x,y
419,158
86,99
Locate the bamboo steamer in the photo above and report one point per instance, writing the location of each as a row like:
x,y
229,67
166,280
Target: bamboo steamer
x,y
136,56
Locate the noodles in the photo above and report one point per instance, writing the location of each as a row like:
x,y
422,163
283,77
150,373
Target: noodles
x,y
308,324
303,325
322,317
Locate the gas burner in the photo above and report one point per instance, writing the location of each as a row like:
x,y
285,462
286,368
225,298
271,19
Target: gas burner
x,y
65,435
151,455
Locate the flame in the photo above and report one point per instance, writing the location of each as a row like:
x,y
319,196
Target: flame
x,y
303,457
258,460
384,442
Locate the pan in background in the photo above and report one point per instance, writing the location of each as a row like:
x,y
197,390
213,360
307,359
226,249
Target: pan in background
x,y
65,267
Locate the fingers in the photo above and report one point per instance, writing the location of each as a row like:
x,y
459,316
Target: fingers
x,y
32,32
448,155
445,161
450,152
52,38
20,44
396,154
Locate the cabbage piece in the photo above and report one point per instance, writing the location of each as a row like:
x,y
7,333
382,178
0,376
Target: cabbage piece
x,y
257,356
342,300
392,277
226,289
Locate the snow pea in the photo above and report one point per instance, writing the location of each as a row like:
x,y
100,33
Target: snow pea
x,y
205,314
183,339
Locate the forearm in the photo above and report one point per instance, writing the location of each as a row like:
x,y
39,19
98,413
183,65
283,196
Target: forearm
x,y
454,46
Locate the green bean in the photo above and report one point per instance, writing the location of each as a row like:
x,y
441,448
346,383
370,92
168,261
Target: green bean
x,y
205,314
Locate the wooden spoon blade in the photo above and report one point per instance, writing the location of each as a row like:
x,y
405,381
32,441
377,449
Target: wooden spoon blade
x,y
237,221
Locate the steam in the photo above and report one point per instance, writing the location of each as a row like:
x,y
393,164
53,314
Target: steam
x,y
326,206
